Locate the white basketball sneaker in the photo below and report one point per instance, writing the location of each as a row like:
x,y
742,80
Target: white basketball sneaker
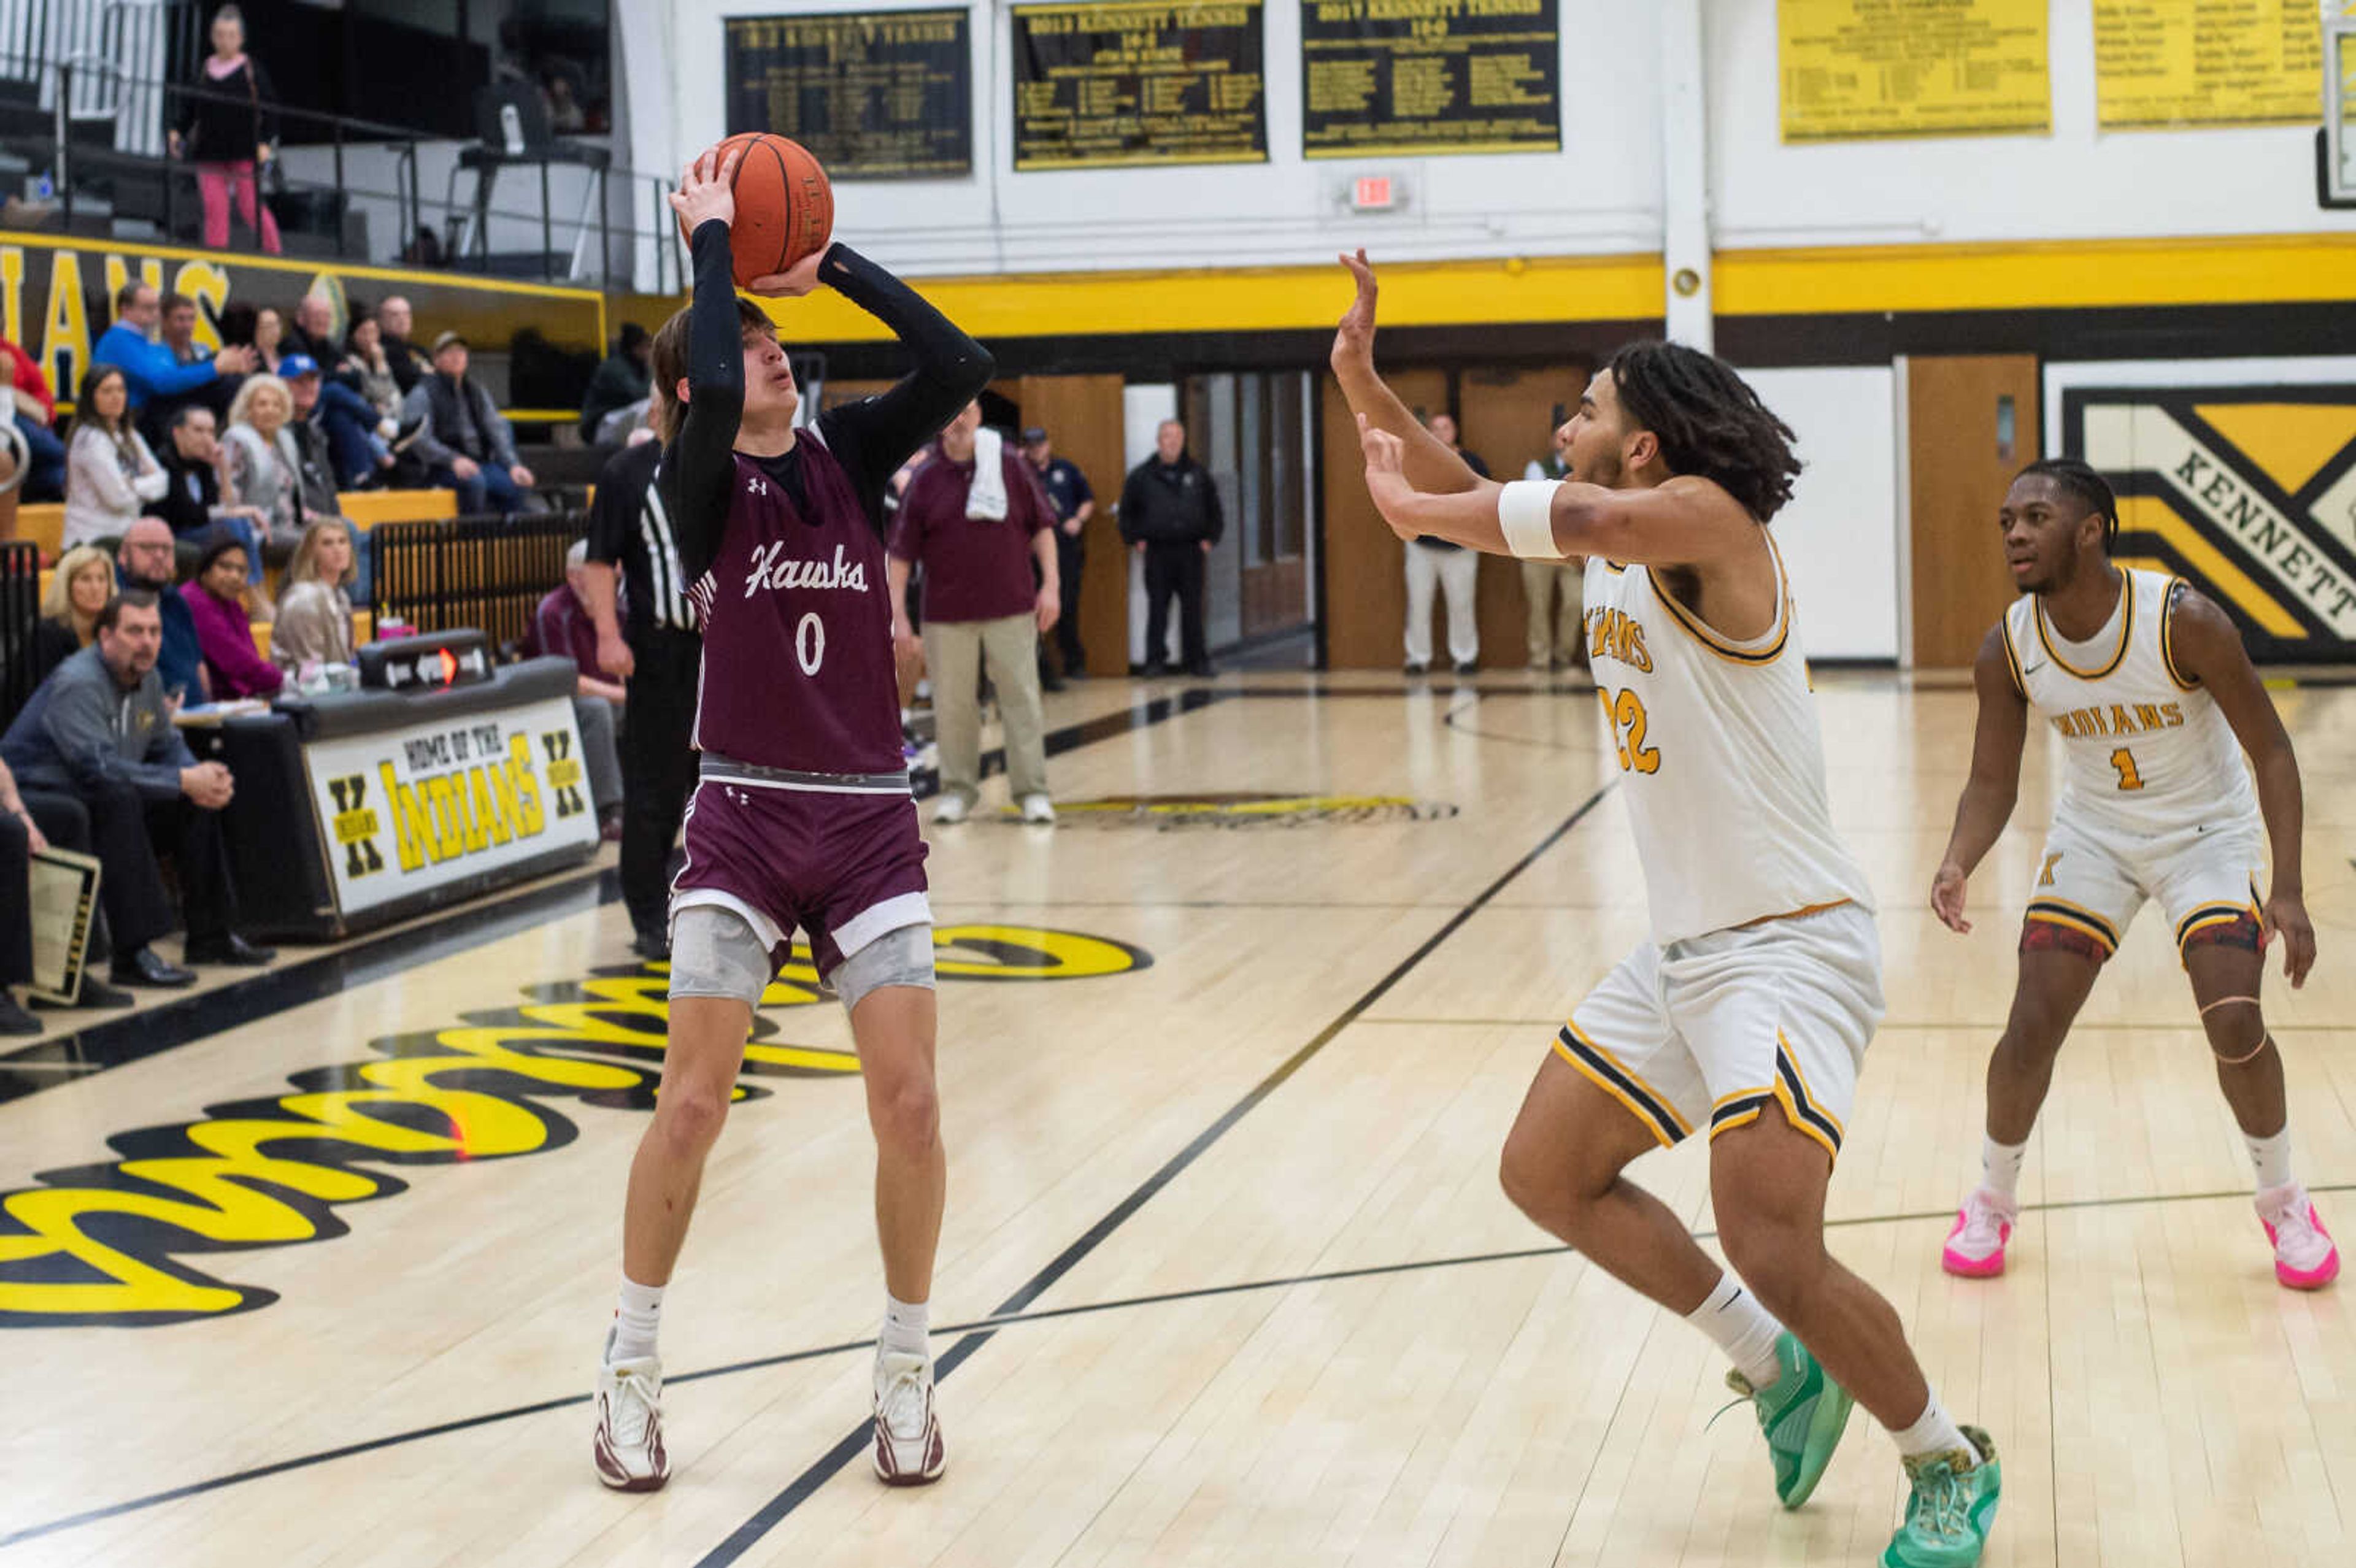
x,y
628,1445
1975,1248
951,811
1039,810
908,1451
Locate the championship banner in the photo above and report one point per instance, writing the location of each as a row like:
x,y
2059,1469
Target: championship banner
x,y
1132,81
2159,63
1425,76
873,94
402,811
1858,69
63,894
2248,492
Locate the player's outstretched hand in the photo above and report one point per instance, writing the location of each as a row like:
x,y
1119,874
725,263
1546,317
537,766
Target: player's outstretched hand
x,y
793,282
1387,476
2284,915
707,190
1947,898
1353,341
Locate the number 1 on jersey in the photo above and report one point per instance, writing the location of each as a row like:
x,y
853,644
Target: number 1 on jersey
x,y
2124,759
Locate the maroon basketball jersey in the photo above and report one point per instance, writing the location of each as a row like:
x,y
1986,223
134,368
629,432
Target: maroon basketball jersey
x,y
796,619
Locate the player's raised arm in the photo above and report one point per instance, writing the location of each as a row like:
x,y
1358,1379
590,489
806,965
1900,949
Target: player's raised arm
x,y
1994,785
697,472
1428,463
2206,647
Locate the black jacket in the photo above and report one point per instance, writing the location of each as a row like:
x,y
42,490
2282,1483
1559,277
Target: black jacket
x,y
1172,503
217,128
191,493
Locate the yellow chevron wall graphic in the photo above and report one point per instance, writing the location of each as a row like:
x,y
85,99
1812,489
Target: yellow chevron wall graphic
x,y
2248,492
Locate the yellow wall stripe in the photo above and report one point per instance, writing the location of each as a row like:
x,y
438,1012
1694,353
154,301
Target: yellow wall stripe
x,y
2153,515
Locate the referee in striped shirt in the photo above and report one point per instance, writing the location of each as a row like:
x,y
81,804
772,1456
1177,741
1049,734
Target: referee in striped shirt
x,y
653,645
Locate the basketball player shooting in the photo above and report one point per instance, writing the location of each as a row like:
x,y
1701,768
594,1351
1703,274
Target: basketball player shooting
x,y
1748,1010
2154,697
802,816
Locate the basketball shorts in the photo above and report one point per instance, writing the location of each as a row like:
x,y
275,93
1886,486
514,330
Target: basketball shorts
x,y
843,868
1709,1032
2095,877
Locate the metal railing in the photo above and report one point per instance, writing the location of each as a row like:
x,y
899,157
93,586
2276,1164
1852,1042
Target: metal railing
x,y
486,572
20,617
643,250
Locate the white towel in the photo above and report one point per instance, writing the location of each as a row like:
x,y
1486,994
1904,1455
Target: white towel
x,y
987,499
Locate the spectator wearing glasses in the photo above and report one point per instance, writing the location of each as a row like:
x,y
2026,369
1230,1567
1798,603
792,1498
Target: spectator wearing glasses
x,y
234,668
227,140
145,564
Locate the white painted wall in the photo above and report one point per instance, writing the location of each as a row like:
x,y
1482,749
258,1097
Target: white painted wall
x,y
1839,533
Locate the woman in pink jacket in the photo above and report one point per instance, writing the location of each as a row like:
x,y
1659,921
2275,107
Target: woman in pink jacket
x,y
224,634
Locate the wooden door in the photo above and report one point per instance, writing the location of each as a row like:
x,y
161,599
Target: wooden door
x,y
1366,577
1971,424
1082,417
1507,416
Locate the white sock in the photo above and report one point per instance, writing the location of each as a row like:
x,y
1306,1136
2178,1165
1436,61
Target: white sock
x,y
907,1328
2272,1157
636,1316
2000,1166
1743,1329
1935,1432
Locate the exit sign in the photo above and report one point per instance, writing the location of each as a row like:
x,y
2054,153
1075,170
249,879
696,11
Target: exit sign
x,y
1372,193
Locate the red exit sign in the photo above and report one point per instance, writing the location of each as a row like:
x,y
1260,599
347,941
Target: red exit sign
x,y
1372,193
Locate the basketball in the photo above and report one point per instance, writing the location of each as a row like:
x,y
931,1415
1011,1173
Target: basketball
x,y
785,206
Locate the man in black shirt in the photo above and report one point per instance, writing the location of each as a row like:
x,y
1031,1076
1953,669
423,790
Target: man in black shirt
x,y
1075,503
652,644
1170,515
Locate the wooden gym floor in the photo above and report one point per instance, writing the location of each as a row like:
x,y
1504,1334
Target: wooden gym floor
x,y
315,1273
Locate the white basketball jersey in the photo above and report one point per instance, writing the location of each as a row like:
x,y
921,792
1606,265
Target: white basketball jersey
x,y
1722,758
2145,751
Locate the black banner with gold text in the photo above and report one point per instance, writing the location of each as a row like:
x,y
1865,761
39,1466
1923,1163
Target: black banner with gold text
x,y
1137,81
1425,76
872,94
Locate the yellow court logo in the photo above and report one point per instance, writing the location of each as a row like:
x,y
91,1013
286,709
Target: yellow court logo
x,y
101,1244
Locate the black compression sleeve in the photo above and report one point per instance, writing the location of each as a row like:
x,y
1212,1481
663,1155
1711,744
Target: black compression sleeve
x,y
951,370
698,472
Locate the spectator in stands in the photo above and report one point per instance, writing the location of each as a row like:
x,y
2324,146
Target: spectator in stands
x,y
408,366
101,729
110,471
145,564
228,127
78,589
1170,515
313,332
368,369
617,393
1433,563
354,441
975,519
465,440
37,414
151,369
199,498
178,328
269,338
32,821
265,463
314,612
563,627
234,668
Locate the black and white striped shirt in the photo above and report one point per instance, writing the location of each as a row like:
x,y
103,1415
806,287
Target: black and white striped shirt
x,y
629,526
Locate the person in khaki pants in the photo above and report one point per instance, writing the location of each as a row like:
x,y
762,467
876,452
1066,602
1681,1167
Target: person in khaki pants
x,y
976,521
1553,634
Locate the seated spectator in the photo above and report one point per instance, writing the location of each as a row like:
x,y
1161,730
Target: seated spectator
x,y
265,459
101,729
37,417
179,336
30,822
313,332
315,468
367,368
561,627
147,563
465,441
269,339
394,326
355,442
149,368
619,388
234,668
315,614
197,499
78,590
110,471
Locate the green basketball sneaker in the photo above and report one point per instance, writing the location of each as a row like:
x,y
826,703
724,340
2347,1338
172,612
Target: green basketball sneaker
x,y
1955,1500
1803,1414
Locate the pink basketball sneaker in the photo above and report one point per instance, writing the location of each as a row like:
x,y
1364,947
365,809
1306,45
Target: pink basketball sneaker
x,y
1975,1247
2305,1258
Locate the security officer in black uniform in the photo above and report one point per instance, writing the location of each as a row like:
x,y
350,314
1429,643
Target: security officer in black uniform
x,y
653,645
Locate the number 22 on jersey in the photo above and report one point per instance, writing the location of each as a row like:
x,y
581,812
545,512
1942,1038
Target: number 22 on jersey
x,y
1624,712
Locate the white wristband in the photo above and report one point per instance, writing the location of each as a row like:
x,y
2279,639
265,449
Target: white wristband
x,y
1526,513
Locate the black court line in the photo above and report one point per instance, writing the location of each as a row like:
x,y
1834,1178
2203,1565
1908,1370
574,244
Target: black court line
x,y
984,1328
829,1465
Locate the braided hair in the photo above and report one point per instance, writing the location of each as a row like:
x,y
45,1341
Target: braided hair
x,y
2088,488
1709,422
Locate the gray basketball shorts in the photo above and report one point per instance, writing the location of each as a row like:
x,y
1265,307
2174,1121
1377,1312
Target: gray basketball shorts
x,y
714,952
